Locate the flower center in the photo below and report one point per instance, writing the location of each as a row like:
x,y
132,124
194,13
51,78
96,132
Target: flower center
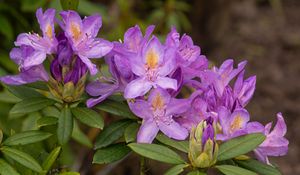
x,y
49,31
75,31
151,59
236,124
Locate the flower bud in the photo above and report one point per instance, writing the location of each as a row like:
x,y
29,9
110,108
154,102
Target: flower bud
x,y
68,73
203,149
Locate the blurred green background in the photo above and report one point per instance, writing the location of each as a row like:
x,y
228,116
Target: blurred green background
x,y
265,32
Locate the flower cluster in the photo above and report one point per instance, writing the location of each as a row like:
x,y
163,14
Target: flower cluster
x,y
151,75
69,52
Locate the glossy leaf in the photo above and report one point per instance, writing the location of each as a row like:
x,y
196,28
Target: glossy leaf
x,y
45,121
23,92
240,145
26,137
131,132
116,108
88,117
180,145
31,105
6,169
50,160
65,126
111,133
157,152
111,153
177,169
80,137
258,167
234,170
22,158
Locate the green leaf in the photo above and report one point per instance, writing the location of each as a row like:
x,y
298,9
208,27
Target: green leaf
x,y
88,117
6,169
157,152
80,137
6,28
180,145
69,4
116,108
23,92
31,105
258,167
240,145
111,133
111,153
50,160
26,137
131,132
45,121
234,170
8,97
22,158
65,126
69,173
177,169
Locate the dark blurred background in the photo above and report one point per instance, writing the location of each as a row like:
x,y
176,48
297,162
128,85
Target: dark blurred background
x,y
264,32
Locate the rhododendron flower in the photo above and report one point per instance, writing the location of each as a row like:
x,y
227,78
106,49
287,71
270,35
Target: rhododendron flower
x,y
42,45
233,124
275,143
244,89
187,54
157,114
220,77
152,65
27,75
82,36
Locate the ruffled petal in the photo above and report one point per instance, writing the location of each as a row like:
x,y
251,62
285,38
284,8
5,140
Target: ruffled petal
x,y
140,108
166,83
173,130
91,25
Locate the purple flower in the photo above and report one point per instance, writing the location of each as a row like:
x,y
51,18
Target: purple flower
x,y
27,75
82,36
220,77
187,54
42,45
275,143
157,114
67,67
151,65
106,87
233,124
197,112
244,89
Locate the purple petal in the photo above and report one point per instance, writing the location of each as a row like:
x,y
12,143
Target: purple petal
x,y
173,37
97,88
46,22
98,48
92,67
140,108
147,132
94,101
137,87
166,83
91,25
178,106
33,74
255,127
239,119
280,127
173,130
169,64
153,53
159,94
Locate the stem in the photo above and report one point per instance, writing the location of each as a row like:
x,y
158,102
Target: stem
x,y
142,166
